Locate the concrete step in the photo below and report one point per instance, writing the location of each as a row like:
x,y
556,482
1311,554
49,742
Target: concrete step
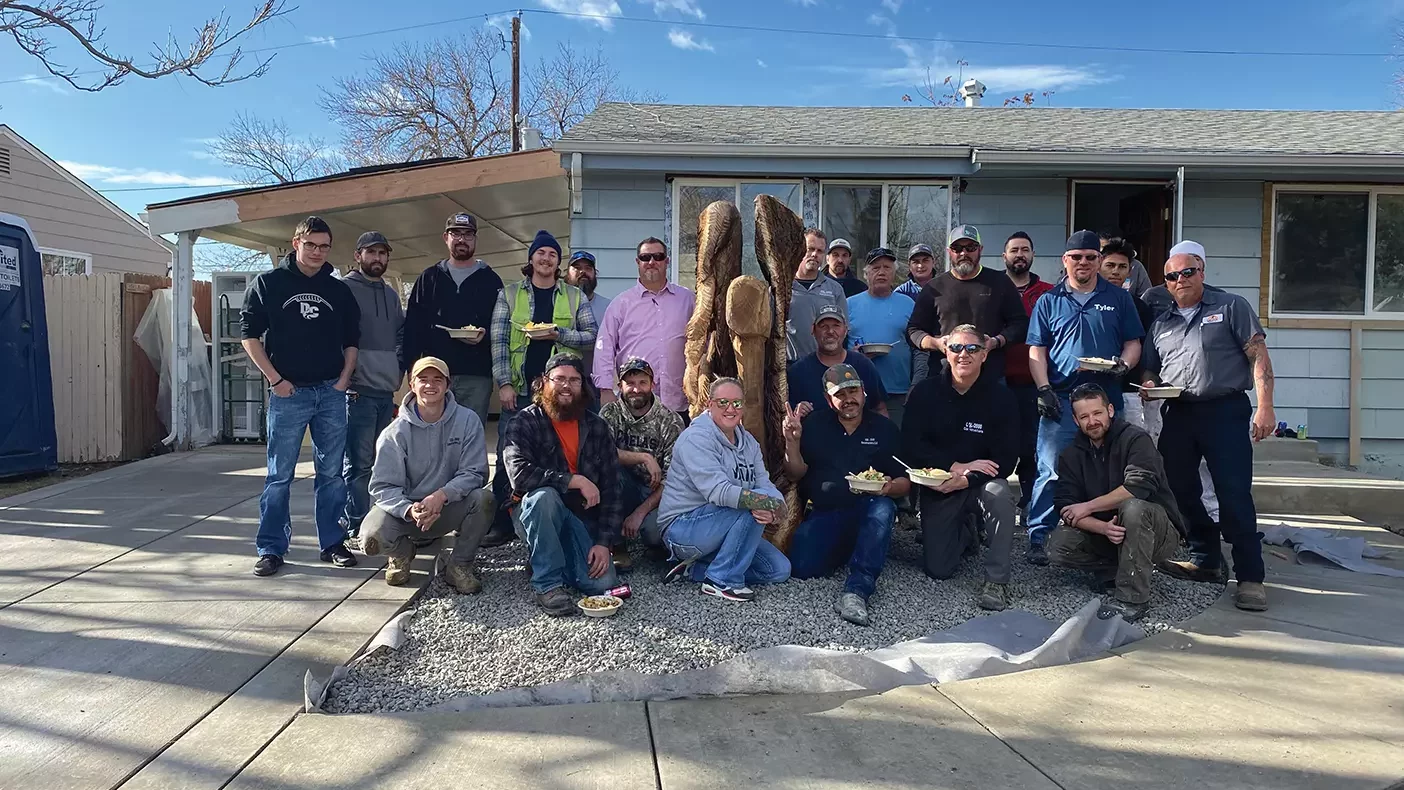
x,y
1275,449
1301,488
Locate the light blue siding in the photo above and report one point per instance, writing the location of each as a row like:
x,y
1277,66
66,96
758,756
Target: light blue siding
x,y
1382,384
1037,206
1227,218
619,211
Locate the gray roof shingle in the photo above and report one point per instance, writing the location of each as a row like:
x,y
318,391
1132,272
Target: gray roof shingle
x,y
1005,129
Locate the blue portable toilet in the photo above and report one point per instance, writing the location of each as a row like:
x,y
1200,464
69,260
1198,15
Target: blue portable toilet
x,y
28,441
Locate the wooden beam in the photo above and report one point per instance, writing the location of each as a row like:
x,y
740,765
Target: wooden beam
x,y
371,188
1265,266
1357,373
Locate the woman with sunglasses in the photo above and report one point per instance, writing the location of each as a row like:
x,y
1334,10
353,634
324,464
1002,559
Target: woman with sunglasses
x,y
717,501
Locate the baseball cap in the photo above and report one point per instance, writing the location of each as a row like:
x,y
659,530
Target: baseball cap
x,y
841,376
881,252
920,249
565,359
837,243
429,362
964,232
582,256
635,365
830,311
370,239
1189,248
461,220
1083,240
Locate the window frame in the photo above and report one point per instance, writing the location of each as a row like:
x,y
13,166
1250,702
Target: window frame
x,y
86,257
948,183
675,232
1372,191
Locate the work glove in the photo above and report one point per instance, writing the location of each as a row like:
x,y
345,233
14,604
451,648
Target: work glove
x,y
1120,369
1048,405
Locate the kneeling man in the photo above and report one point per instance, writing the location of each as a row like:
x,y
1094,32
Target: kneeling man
x,y
964,420
644,431
844,527
1119,517
428,480
563,470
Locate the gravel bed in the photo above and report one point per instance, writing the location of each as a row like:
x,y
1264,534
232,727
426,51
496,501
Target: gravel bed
x,y
498,639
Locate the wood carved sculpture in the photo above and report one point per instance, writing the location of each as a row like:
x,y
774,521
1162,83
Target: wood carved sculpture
x,y
709,353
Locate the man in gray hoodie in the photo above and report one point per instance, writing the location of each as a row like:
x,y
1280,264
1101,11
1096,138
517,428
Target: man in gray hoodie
x,y
370,403
428,480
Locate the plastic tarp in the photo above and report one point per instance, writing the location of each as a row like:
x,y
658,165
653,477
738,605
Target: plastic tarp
x,y
153,335
980,647
1320,547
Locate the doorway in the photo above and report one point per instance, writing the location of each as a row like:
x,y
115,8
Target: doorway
x,y
1140,212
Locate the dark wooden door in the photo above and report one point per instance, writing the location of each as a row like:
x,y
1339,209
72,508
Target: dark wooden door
x,y
1146,220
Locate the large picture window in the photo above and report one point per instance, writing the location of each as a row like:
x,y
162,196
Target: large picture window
x,y
692,196
877,214
1338,251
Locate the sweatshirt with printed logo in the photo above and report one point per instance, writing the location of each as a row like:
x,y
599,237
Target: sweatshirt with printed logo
x,y
306,323
943,427
414,458
709,470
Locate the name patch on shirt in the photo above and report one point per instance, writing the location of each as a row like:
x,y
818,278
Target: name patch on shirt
x,y
868,441
452,440
1216,318
1106,308
974,427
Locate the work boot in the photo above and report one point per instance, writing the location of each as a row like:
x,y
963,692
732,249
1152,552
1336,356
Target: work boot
x,y
1130,612
268,565
339,556
460,576
994,597
1251,597
557,603
397,569
1182,569
623,560
1036,555
1102,582
852,607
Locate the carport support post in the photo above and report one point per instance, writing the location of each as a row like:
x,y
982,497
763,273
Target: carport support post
x,y
182,302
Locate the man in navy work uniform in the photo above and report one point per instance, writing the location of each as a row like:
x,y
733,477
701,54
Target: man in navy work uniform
x,y
806,375
1211,344
1083,316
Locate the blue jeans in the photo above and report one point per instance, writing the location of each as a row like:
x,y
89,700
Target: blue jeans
x,y
560,544
858,534
366,416
1053,438
727,547
323,409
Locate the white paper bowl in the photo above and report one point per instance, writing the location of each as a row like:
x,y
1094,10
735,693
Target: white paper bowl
x,y
860,486
930,481
609,611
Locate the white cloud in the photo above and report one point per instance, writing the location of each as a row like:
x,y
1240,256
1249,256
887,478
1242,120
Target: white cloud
x,y
124,175
687,7
599,12
684,40
47,83
892,5
878,20
761,63
805,3
503,22
330,41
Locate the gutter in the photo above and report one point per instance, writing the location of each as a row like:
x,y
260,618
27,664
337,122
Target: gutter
x,y
767,150
1178,159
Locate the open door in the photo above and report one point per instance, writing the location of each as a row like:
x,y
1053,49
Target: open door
x,y
1145,219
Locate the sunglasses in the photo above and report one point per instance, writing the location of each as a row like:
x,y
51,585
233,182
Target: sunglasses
x,y
961,248
724,403
1175,276
1077,257
969,348
653,256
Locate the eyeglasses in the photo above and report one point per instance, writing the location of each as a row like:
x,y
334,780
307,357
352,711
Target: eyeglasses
x,y
563,381
308,246
1077,257
461,233
724,403
658,257
969,348
958,249
1171,277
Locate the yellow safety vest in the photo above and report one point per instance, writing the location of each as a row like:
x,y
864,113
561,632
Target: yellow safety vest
x,y
567,300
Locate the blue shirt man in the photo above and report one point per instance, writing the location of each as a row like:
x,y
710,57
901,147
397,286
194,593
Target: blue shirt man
x,y
1084,317
880,315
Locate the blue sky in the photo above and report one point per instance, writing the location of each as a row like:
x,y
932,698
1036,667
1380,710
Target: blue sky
x,y
147,134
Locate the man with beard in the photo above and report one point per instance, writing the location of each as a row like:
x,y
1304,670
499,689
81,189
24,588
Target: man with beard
x,y
805,377
840,267
563,471
968,294
1018,260
1118,516
880,316
370,403
812,289
458,291
1083,317
582,273
648,321
921,267
644,431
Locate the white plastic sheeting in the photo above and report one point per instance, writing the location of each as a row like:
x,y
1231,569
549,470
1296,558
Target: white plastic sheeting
x,y
1320,547
153,334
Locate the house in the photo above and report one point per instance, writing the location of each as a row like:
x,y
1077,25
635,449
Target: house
x,y
79,231
1302,213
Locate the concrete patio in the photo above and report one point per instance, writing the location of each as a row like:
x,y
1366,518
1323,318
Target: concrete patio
x,y
140,652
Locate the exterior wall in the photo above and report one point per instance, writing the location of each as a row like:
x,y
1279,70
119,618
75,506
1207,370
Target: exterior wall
x,y
1382,400
65,217
1037,206
619,210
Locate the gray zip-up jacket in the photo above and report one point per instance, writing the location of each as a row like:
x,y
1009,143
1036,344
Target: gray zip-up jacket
x,y
805,301
709,470
414,458
378,369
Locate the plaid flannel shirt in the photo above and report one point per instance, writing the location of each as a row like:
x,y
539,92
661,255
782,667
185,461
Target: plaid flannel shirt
x,y
534,459
580,339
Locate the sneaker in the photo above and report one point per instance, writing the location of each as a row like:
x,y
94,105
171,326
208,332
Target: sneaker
x,y
353,543
623,560
728,593
678,571
1130,612
1251,597
1181,569
397,570
1036,555
461,577
994,597
339,556
267,565
557,603
852,607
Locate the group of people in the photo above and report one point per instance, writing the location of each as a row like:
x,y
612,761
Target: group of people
x,y
973,372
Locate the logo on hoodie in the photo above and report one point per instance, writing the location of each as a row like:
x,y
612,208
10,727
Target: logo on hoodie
x,y
745,472
309,305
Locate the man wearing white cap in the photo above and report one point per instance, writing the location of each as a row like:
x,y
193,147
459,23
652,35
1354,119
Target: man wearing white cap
x,y
840,267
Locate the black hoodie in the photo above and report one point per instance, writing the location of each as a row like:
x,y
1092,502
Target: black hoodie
x,y
942,427
437,300
1127,458
306,323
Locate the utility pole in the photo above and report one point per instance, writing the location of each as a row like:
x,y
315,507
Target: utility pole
x,y
517,83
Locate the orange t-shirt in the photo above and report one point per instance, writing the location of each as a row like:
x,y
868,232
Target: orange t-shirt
x,y
569,434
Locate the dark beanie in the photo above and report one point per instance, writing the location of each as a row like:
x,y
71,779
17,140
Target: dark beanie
x,y
542,240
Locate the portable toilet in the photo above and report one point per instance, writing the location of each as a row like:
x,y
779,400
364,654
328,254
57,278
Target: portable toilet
x,y
28,441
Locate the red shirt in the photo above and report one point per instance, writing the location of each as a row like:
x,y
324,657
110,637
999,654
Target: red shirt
x,y
569,434
1016,358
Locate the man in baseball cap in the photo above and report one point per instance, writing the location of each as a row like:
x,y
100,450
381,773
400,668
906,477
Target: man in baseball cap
x,y
878,322
921,262
429,480
582,272
461,221
806,374
840,267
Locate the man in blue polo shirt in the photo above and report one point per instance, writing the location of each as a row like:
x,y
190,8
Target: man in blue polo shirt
x,y
880,315
1083,317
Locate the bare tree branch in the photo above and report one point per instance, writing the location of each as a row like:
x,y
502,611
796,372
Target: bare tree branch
x,y
561,91
265,152
34,26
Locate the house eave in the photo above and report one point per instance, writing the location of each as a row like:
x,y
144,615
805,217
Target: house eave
x,y
762,150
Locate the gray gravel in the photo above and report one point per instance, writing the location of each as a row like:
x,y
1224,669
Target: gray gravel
x,y
498,639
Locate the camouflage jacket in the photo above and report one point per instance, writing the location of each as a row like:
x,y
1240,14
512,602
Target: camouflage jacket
x,y
654,433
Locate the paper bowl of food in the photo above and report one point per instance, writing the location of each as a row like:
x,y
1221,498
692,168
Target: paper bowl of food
x,y
469,334
537,331
875,349
868,482
929,477
1096,363
599,605
1162,392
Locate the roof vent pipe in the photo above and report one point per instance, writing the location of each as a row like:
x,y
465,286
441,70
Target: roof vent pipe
x,y
531,139
971,91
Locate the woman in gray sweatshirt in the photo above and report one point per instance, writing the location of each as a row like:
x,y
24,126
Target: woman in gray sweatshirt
x,y
717,500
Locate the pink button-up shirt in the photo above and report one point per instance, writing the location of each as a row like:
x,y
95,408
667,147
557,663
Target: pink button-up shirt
x,y
640,323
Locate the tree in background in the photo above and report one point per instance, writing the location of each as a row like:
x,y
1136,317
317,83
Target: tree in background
x,y
561,91
946,93
39,26
265,152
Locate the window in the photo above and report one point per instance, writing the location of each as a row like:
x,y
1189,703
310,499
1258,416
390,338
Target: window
x,y
65,262
691,197
892,215
1338,251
